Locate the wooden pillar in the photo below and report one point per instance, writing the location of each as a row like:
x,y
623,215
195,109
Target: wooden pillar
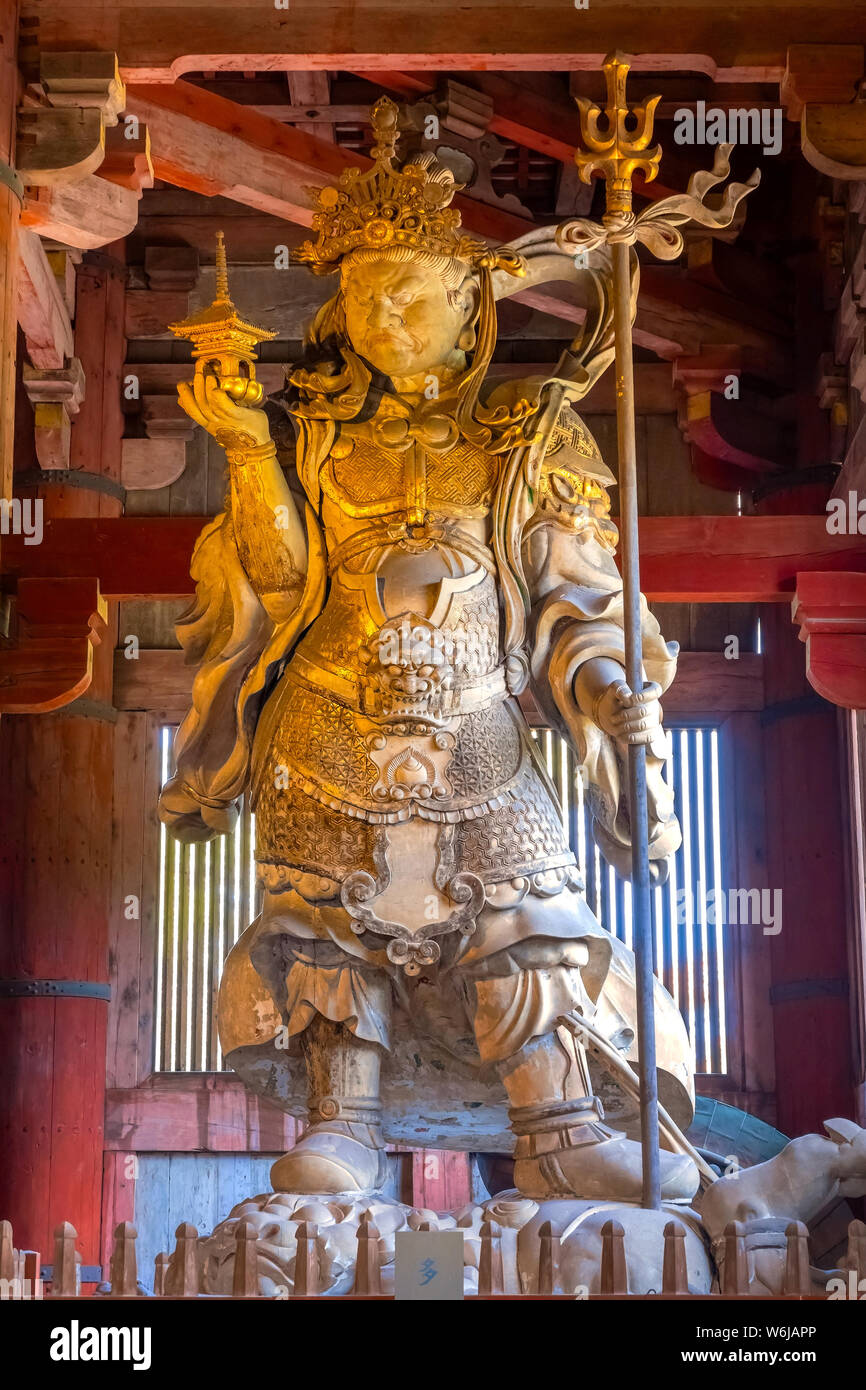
x,y
55,806
10,212
55,861
101,347
805,860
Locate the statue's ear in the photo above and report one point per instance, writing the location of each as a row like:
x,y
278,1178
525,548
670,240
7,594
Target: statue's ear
x,y
470,294
843,1131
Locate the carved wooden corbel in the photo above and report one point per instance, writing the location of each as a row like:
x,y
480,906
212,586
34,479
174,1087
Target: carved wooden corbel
x,y
56,147
58,622
830,610
160,458
732,432
83,174
819,89
56,395
86,215
63,140
85,81
127,159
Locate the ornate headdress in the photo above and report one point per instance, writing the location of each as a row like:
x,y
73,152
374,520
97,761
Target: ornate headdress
x,y
385,206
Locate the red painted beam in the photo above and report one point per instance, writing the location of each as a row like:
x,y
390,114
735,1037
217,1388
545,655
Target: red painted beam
x,y
133,557
684,559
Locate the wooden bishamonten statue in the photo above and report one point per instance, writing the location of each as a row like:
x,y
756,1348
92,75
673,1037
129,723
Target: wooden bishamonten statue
x,y
402,553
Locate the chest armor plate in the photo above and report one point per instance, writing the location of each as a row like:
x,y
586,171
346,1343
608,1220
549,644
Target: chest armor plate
x,y
365,480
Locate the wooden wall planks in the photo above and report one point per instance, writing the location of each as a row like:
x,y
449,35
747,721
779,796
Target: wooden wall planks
x,y
707,682
199,1188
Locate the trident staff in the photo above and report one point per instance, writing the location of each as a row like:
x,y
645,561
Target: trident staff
x,y
618,153
617,150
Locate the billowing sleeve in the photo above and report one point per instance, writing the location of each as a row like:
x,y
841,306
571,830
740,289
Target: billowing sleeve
x,y
259,576
576,614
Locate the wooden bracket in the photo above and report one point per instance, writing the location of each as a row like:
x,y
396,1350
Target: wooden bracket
x,y
59,622
830,610
820,72
732,439
83,173
56,147
820,89
56,395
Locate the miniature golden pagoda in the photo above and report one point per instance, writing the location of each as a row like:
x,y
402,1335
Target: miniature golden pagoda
x,y
224,342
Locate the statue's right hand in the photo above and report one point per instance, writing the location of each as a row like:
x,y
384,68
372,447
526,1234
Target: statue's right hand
x,y
205,402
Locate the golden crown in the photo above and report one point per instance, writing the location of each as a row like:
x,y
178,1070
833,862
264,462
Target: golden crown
x,y
386,206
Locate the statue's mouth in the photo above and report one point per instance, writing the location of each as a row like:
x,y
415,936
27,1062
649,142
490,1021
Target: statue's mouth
x,y
384,338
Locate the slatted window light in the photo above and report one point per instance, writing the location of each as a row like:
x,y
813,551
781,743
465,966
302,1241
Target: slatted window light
x,y
688,934
208,896
207,899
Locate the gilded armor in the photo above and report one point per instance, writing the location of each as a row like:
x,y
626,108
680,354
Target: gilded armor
x,y
404,552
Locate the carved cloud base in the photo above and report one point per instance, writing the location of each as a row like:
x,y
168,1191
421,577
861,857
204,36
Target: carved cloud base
x,y
517,1221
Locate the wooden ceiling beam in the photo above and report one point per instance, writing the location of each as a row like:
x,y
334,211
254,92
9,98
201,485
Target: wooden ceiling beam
x,y
684,559
204,143
158,43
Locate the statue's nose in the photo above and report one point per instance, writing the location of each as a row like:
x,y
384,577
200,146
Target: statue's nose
x,y
380,314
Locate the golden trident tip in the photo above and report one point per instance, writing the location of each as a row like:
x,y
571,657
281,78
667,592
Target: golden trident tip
x,y
620,150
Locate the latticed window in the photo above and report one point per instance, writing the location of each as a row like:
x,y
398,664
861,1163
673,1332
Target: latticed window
x,y
208,896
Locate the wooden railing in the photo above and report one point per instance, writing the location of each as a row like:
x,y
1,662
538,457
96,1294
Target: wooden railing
x,y
179,1275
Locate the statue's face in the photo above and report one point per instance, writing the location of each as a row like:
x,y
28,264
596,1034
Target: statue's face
x,y
400,316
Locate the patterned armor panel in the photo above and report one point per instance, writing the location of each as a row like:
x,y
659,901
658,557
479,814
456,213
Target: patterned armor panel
x,y
396,710
367,480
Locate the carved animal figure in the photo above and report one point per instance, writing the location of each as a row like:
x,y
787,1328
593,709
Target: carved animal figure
x,y
795,1184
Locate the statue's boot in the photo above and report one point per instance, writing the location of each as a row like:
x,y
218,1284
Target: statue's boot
x,y
342,1150
564,1148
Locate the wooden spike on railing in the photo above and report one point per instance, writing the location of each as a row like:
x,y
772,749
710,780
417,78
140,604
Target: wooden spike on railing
x,y
548,1258
182,1274
64,1276
368,1269
614,1276
124,1266
856,1260
7,1252
160,1271
675,1276
798,1279
735,1270
306,1280
32,1272
490,1272
245,1279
